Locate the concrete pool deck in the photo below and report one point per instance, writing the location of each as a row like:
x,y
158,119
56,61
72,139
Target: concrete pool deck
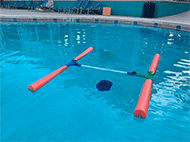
x,y
177,22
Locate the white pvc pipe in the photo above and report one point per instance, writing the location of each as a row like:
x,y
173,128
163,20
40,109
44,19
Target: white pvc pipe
x,y
104,69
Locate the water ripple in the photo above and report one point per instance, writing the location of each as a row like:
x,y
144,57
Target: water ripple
x,y
174,91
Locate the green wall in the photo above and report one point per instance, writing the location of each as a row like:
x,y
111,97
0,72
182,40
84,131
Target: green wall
x,y
64,4
135,8
124,8
169,8
131,8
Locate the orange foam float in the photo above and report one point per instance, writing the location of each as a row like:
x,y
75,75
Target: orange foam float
x,y
154,63
38,84
144,98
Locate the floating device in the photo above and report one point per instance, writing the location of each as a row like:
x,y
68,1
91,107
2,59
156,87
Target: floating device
x,y
144,98
38,84
104,85
154,64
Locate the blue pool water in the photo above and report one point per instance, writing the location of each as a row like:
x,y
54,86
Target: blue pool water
x,y
70,108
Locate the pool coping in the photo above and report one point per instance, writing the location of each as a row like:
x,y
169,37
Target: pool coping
x,y
30,16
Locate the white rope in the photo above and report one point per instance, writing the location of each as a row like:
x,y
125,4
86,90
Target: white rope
x,y
104,69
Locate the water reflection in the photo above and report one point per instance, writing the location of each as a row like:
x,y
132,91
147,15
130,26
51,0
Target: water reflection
x,y
175,87
44,41
50,46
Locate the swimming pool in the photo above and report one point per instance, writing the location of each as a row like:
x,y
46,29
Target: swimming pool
x,y
69,108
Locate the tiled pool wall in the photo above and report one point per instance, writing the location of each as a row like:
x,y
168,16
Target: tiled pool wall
x,y
132,8
167,25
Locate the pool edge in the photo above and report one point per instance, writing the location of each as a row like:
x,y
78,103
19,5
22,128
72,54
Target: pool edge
x,y
31,16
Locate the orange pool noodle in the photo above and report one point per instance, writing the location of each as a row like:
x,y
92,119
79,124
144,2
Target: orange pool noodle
x,y
143,102
38,84
84,53
154,63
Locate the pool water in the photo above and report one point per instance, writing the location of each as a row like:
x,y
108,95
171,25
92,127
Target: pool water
x,y
70,108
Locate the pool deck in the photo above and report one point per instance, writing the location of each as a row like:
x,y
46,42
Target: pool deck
x,y
177,22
